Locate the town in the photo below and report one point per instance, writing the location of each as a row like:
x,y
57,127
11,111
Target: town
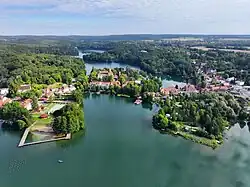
x,y
103,80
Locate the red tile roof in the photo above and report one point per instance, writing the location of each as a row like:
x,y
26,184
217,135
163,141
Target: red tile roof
x,y
169,90
4,101
190,88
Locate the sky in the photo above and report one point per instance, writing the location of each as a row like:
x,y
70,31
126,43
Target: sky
x,y
107,17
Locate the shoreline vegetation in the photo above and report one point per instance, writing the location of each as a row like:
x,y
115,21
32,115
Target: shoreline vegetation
x,y
196,139
200,112
200,117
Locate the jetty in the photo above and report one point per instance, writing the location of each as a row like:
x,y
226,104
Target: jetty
x,y
67,137
26,132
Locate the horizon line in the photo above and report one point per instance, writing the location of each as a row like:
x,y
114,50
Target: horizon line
x,y
128,34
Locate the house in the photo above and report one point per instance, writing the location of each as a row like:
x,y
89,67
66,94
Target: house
x,y
209,79
219,88
44,116
230,79
66,89
138,82
72,88
125,84
4,91
169,90
226,84
27,104
24,88
104,73
116,83
190,88
43,99
48,93
240,83
116,77
168,115
212,71
4,101
101,84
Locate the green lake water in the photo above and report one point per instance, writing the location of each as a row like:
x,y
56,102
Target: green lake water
x,y
121,149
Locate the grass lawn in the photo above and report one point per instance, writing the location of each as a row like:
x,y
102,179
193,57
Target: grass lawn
x,y
40,122
48,107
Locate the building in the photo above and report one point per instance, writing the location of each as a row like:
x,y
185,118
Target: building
x,y
116,77
4,101
190,88
101,84
24,88
219,88
4,91
116,83
226,84
66,89
230,79
27,104
104,73
240,83
138,82
48,92
169,90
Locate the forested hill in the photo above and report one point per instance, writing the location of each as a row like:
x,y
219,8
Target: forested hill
x,y
56,49
38,68
124,37
172,60
158,61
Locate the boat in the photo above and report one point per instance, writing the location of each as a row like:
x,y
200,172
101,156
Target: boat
x,y
137,102
60,161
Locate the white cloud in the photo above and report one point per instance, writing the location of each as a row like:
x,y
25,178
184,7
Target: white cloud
x,y
153,9
205,16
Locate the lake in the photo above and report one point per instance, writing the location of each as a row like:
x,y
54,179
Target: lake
x,y
121,149
101,65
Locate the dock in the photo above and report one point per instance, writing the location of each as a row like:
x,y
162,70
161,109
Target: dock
x,y
26,132
67,137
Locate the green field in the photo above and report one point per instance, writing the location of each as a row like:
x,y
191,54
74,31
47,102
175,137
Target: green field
x,y
40,122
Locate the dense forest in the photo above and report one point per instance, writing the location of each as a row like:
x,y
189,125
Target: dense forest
x,y
38,49
69,119
15,116
210,112
157,61
173,61
16,69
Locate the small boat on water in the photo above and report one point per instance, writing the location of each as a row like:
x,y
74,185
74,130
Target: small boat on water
x,y
60,161
137,102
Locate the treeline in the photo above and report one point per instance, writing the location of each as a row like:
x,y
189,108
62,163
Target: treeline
x,y
174,61
157,61
15,116
69,119
131,82
56,49
210,112
17,69
229,64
